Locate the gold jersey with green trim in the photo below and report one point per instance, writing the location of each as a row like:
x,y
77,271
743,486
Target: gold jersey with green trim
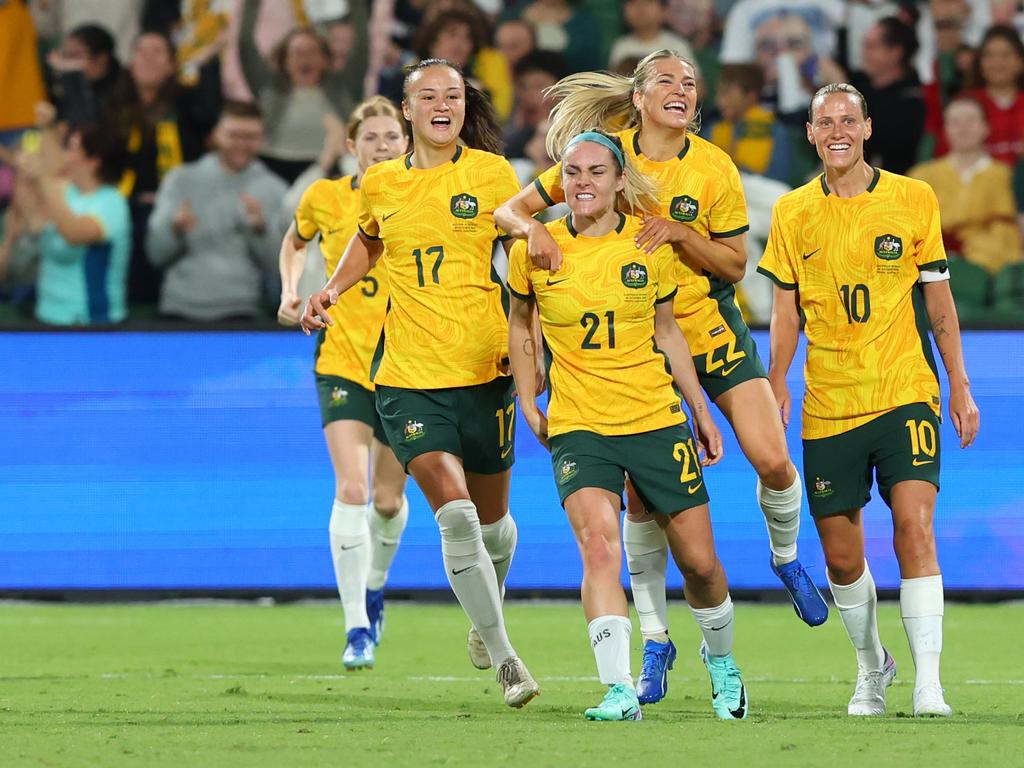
x,y
597,315
346,348
447,322
700,188
856,263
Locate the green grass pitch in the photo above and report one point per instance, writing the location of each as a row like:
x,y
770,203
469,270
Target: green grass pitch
x,y
248,685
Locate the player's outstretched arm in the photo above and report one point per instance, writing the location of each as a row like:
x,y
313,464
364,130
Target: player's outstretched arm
x,y
516,218
671,341
785,332
360,255
523,359
938,300
725,257
291,261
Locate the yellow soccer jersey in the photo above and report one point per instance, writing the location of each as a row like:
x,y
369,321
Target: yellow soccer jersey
x,y
701,188
447,325
856,263
597,315
346,348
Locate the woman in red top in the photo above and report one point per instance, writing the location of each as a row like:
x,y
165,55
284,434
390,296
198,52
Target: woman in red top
x,y
999,87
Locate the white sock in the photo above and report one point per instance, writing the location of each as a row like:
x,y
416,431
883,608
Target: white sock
x,y
921,606
781,511
717,626
350,551
646,558
500,541
609,638
858,607
471,575
385,534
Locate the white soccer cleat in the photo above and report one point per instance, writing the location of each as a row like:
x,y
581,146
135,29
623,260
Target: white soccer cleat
x,y
477,650
869,695
517,682
929,702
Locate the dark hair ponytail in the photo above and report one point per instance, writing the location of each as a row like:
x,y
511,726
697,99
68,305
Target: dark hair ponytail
x,y
481,129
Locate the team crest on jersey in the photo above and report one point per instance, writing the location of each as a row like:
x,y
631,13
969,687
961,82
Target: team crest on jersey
x,y
822,488
413,431
888,247
464,206
339,396
567,470
634,275
684,208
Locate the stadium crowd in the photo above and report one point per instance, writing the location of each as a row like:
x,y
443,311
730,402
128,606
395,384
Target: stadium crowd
x,y
147,148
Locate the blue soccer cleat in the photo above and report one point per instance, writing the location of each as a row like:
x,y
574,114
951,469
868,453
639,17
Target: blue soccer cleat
x,y
359,651
807,600
658,660
375,613
728,694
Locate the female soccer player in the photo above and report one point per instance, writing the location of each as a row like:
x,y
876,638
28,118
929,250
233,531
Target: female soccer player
x,y
364,536
860,252
607,319
704,218
443,392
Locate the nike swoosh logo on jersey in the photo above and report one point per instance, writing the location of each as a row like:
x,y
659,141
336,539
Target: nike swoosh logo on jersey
x,y
694,488
556,282
462,570
808,255
919,463
387,216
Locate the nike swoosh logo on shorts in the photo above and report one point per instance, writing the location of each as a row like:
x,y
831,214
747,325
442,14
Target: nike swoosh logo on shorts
x,y
734,367
694,488
506,452
919,463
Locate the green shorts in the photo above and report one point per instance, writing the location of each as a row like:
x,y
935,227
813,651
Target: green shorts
x,y
344,400
662,465
900,445
733,362
476,423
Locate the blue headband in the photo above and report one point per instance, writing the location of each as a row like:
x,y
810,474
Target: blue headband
x,y
597,138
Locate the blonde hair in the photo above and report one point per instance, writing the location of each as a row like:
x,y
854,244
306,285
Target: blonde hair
x,y
639,196
375,106
603,99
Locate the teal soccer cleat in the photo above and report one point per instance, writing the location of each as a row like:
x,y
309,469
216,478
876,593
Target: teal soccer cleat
x,y
620,703
728,694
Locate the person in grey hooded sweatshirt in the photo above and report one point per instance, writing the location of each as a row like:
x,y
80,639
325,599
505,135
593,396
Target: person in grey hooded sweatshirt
x,y
214,229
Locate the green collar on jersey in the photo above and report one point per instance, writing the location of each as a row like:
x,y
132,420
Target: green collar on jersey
x,y
871,186
638,153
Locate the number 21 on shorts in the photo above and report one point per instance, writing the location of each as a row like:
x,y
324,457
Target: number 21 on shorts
x,y
686,454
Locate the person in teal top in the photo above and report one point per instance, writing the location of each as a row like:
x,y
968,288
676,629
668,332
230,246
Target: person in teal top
x,y
85,243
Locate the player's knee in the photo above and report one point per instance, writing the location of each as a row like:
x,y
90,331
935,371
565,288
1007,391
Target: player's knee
x,y
601,552
914,539
701,569
458,522
775,473
844,565
352,491
386,503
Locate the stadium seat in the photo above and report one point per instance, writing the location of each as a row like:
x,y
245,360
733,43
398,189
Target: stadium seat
x,y
971,287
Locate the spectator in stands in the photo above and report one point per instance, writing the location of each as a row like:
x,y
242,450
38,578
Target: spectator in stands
x,y
944,66
514,39
534,73
696,22
85,73
85,237
999,88
456,31
214,230
55,19
565,27
754,139
645,20
300,88
974,191
891,87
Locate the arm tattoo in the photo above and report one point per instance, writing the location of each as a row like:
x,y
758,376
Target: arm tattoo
x,y
529,348
939,328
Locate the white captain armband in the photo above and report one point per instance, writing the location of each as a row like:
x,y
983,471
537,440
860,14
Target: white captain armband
x,y
933,275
